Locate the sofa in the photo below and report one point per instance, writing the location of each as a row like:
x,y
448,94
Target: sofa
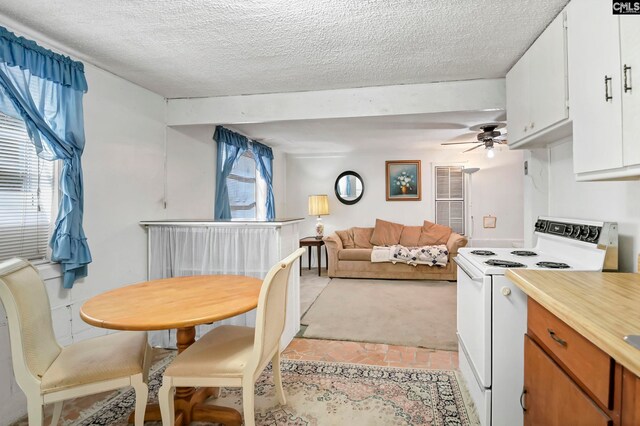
x,y
349,251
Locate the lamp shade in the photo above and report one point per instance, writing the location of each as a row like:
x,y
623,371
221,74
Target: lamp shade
x,y
318,205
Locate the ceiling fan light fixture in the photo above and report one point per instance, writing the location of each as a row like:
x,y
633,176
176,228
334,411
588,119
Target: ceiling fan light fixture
x,y
490,152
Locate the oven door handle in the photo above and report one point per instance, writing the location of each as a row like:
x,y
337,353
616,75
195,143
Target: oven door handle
x,y
465,268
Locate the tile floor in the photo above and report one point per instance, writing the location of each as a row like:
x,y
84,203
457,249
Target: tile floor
x,y
371,354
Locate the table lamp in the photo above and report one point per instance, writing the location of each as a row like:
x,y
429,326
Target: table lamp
x,y
318,206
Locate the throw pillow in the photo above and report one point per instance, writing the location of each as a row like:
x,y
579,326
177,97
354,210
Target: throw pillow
x,y
410,236
347,239
362,237
433,234
386,233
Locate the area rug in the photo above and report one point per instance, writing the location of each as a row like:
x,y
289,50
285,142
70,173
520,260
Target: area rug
x,y
406,313
323,393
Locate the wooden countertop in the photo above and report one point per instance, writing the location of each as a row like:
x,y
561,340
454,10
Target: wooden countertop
x,y
602,306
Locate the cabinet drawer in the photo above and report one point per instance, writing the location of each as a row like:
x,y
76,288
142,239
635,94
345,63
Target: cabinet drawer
x,y
583,360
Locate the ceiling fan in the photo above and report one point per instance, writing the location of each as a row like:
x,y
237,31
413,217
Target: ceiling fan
x,y
487,138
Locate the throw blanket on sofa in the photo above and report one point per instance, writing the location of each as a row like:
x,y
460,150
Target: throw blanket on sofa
x,y
426,255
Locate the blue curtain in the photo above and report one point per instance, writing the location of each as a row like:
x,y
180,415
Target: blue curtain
x,y
231,146
45,89
264,159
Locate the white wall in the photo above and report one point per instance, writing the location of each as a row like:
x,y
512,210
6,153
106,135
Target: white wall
x,y
608,201
191,164
123,166
496,189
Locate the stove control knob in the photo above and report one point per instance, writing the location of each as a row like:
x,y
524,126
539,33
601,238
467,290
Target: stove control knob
x,y
576,232
506,291
568,231
584,232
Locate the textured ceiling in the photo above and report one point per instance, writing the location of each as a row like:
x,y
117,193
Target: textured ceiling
x,y
416,131
194,48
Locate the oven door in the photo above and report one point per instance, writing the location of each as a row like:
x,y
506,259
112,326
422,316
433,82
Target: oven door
x,y
474,320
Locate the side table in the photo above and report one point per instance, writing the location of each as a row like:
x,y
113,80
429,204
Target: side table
x,y
314,242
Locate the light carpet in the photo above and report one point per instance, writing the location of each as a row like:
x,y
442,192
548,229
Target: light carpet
x,y
311,285
406,313
323,393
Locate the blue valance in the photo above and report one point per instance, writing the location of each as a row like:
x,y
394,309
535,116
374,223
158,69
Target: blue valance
x,y
262,150
27,54
230,138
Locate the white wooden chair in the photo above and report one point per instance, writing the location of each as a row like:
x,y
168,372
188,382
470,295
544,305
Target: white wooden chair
x,y
48,373
235,356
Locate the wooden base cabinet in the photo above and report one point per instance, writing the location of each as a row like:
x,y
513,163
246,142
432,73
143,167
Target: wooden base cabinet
x,y
568,380
551,398
630,399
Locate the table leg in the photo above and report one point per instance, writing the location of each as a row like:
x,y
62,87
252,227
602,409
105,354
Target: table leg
x,y
319,259
189,402
309,253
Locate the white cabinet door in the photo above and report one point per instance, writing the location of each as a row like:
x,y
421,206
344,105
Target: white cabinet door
x,y
547,77
537,89
593,52
630,55
518,104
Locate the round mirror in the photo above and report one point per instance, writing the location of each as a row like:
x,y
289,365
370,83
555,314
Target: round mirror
x,y
349,187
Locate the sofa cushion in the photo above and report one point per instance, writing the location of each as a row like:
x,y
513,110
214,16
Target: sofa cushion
x,y
347,238
433,234
355,254
410,236
362,237
386,233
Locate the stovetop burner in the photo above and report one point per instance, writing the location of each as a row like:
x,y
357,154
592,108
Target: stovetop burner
x,y
483,252
553,265
524,253
505,263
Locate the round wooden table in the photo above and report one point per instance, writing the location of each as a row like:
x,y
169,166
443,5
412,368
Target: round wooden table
x,y
180,303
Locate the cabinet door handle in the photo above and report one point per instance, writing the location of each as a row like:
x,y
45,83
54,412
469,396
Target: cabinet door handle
x,y
607,97
627,86
555,337
524,392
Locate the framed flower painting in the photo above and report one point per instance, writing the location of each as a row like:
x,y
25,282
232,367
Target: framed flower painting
x,y
403,180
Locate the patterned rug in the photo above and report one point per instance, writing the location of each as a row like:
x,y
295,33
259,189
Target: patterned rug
x,y
323,393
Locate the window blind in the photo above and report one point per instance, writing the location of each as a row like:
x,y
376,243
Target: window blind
x,y
241,185
26,194
449,197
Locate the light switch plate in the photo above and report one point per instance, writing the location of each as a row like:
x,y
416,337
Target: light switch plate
x,y
633,340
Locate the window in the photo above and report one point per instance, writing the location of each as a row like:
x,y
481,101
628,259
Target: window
x,y
26,194
449,197
247,189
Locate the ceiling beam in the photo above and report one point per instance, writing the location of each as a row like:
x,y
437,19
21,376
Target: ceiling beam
x,y
469,95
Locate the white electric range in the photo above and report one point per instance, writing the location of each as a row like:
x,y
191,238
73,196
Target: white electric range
x,y
492,311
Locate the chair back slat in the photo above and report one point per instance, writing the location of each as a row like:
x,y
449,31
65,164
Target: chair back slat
x,y
26,302
272,308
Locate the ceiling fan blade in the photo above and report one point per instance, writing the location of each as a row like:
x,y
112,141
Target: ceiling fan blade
x,y
501,141
457,143
475,147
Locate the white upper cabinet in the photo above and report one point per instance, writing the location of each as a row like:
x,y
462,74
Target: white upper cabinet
x,y
537,93
603,52
630,56
594,82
